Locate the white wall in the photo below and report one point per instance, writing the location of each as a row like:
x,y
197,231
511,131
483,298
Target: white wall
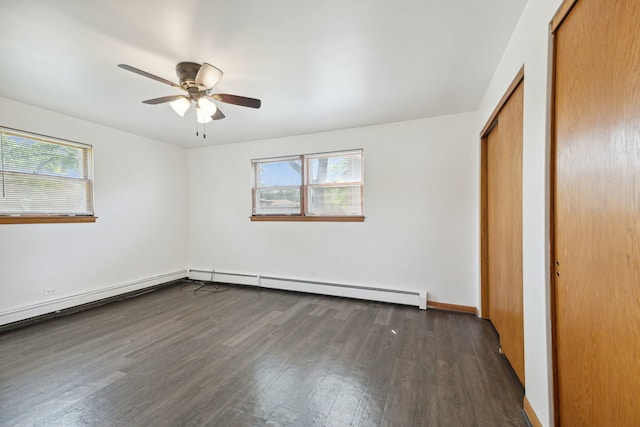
x,y
139,238
421,208
529,46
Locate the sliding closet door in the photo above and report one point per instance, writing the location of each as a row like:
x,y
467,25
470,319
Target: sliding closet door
x,y
504,229
597,214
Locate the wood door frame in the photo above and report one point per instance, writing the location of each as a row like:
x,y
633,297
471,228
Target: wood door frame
x,y
484,191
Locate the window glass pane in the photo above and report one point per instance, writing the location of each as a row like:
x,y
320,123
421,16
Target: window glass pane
x,y
33,156
278,174
336,169
338,200
281,201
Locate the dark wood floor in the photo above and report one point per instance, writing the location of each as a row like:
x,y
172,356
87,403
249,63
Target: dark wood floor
x,y
256,357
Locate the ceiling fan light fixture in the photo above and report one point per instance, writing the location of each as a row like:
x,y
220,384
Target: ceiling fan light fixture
x,y
180,106
207,107
208,76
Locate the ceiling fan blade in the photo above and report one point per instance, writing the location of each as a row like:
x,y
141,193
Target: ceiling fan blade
x,y
237,100
164,99
149,75
218,115
208,76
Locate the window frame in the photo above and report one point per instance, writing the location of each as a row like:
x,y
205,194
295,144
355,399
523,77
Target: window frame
x,y
305,188
43,218
255,188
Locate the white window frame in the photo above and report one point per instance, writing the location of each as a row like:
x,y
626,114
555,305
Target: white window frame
x,y
256,188
306,188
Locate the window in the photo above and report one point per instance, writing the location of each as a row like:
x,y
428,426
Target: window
x,y
278,185
44,179
313,187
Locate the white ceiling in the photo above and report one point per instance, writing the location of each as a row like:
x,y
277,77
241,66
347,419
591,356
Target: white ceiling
x,y
316,65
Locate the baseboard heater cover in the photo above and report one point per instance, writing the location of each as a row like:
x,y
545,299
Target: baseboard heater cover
x,y
397,296
69,301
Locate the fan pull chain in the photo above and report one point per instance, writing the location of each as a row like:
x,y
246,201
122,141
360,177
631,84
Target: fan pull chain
x,y
204,127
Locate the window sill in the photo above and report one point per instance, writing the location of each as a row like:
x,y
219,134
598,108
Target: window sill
x,y
307,218
48,219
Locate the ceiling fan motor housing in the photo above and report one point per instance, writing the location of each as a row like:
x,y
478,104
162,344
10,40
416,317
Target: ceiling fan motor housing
x,y
186,72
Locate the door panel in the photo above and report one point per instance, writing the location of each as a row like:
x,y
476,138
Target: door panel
x,y
597,214
504,229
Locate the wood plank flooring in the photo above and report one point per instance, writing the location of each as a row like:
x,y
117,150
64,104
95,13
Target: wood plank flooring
x,y
256,357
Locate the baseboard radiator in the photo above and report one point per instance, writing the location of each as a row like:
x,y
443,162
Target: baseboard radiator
x,y
397,296
58,304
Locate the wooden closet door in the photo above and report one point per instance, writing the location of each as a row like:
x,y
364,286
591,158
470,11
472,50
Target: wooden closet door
x,y
597,214
504,211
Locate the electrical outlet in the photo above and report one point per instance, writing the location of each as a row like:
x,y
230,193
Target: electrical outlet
x,y
50,291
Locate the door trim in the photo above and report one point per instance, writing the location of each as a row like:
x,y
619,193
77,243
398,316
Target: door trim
x,y
492,118
562,13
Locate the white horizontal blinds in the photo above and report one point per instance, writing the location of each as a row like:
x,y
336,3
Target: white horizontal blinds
x,y
334,184
44,176
277,186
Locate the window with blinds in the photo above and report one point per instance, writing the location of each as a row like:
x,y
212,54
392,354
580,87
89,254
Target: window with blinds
x,y
43,176
311,185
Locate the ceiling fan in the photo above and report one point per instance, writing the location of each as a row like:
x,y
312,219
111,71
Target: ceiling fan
x,y
197,81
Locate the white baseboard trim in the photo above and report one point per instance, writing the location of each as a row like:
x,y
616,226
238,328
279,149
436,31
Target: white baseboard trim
x,y
57,304
398,296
